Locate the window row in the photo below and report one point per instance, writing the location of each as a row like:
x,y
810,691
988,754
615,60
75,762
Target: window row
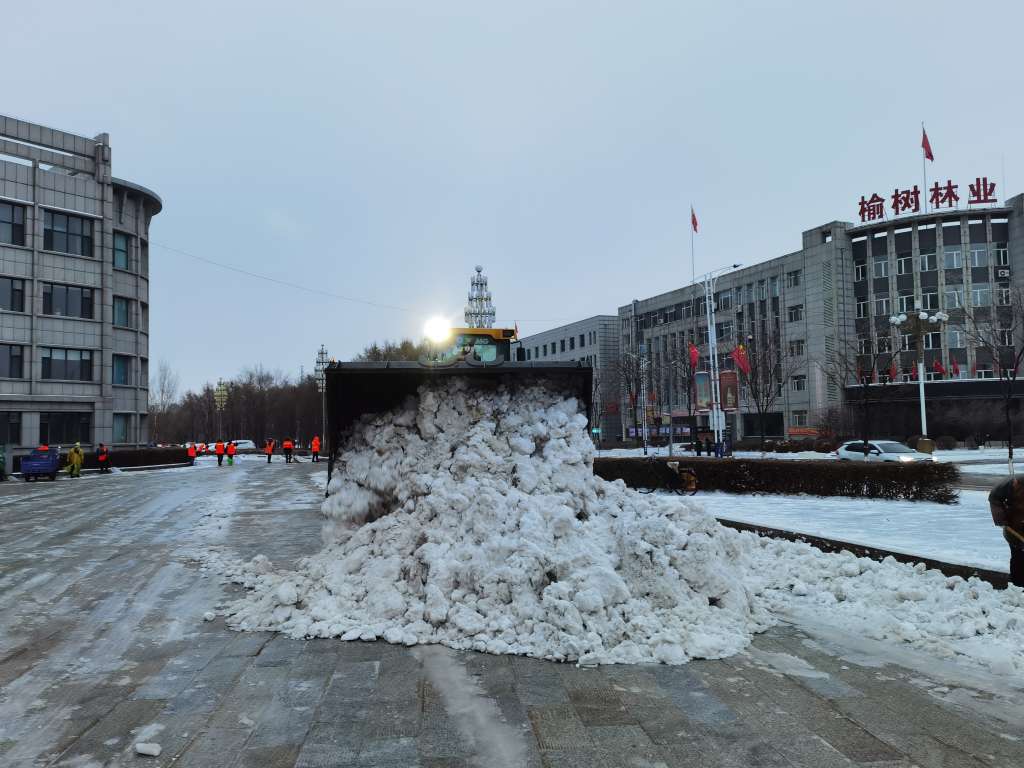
x,y
952,258
562,345
956,338
981,295
74,301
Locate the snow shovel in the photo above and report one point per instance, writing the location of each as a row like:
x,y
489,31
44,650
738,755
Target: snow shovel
x,y
1015,533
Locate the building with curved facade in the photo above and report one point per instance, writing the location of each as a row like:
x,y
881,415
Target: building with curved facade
x,y
74,292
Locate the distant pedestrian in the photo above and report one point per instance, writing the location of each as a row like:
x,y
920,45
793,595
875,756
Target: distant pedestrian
x,y
707,445
103,458
191,454
231,450
75,459
288,446
697,446
268,448
1006,502
219,450
314,448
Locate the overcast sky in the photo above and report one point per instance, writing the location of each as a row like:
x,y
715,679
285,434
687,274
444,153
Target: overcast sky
x,y
380,150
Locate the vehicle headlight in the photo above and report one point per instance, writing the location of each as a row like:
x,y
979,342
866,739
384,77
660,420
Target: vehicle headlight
x,y
906,458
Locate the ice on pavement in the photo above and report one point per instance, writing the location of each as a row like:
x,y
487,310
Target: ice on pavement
x,y
473,519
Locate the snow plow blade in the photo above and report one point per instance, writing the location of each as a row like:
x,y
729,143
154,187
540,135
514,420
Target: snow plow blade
x,y
354,389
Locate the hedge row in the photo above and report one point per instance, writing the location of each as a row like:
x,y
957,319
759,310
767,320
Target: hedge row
x,y
127,457
925,481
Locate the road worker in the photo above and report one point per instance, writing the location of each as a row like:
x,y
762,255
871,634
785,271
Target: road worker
x,y
103,458
268,448
288,446
314,448
191,454
231,450
75,459
219,450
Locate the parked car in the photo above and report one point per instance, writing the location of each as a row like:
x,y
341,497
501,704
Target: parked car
x,y
245,445
41,464
880,450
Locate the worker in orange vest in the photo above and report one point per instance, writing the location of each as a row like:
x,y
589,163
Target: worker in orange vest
x,y
315,447
219,450
287,445
191,454
231,450
268,448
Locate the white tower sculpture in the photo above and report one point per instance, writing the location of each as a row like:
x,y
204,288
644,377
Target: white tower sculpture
x,y
479,309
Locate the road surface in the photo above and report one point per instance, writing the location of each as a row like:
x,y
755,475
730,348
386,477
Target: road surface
x,y
103,644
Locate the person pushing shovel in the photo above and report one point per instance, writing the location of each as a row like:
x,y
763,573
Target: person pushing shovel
x,y
1006,501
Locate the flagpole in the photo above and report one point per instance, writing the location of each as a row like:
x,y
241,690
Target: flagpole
x,y
924,171
693,259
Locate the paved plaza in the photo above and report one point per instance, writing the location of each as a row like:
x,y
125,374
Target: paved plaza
x,y
103,644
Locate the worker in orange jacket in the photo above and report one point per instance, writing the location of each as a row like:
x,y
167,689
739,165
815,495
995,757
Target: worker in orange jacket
x,y
287,446
268,448
231,450
219,450
315,448
191,454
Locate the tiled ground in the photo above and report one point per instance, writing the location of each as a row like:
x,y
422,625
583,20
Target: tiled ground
x,y
102,644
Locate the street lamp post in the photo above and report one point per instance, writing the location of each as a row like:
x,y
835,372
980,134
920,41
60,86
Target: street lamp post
x,y
641,359
920,323
220,399
321,385
717,416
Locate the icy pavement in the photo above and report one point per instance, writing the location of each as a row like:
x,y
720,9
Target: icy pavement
x,y
104,645
953,533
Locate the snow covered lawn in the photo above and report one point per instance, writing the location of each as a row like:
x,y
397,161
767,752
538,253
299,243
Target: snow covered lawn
x,y
955,533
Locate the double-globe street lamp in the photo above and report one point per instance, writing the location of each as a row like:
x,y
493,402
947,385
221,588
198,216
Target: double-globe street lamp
x,y
919,323
220,399
321,385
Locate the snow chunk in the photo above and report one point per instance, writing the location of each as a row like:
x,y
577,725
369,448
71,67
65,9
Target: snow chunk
x,y
149,749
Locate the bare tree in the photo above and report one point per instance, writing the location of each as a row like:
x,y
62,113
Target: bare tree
x,y
765,368
626,371
163,394
998,334
406,349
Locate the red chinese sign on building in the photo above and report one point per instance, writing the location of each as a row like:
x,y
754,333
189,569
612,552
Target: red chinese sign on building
x,y
904,201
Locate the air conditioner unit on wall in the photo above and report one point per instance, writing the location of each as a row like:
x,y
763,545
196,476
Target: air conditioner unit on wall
x,y
1002,272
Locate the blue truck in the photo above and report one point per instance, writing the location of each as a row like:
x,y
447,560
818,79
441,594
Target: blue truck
x,y
41,464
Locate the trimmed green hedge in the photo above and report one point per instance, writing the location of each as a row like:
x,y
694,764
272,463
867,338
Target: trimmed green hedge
x,y
925,481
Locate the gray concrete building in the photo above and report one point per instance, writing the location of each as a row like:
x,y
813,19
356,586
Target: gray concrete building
x,y
831,301
594,341
74,292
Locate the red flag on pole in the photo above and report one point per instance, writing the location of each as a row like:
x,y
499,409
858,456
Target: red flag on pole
x,y
694,356
913,371
926,145
893,371
739,356
956,369
938,367
693,220
974,371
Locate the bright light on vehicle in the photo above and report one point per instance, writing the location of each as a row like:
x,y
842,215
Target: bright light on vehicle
x,y
437,329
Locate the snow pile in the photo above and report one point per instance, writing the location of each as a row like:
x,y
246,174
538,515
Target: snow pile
x,y
473,519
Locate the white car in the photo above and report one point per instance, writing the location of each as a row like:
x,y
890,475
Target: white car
x,y
880,450
245,445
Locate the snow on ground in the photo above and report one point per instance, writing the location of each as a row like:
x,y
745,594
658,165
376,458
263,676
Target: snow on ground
x,y
954,533
990,469
474,520
956,456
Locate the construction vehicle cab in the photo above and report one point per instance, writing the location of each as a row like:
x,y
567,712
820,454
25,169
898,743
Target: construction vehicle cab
x,y
481,345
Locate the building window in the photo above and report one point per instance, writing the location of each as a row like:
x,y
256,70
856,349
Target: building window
x,y
979,255
799,419
122,257
881,267
10,428
955,297
122,370
862,308
1004,337
860,271
762,290
64,428
724,300
536,352
572,342
67,301
885,344
795,313
545,348
793,278
905,302
563,345
1003,294
904,264
581,341
66,364
864,345
882,306
981,295
955,338
798,383
930,300
723,331
1000,255
933,340
144,254
12,358
984,371
122,427
67,234
774,286
12,224
928,262
908,342
952,257
12,294
527,353
124,312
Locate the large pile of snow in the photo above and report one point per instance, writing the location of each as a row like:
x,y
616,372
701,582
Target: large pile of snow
x,y
472,518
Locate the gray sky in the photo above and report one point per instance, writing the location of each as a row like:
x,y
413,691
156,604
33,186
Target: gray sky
x,y
379,150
